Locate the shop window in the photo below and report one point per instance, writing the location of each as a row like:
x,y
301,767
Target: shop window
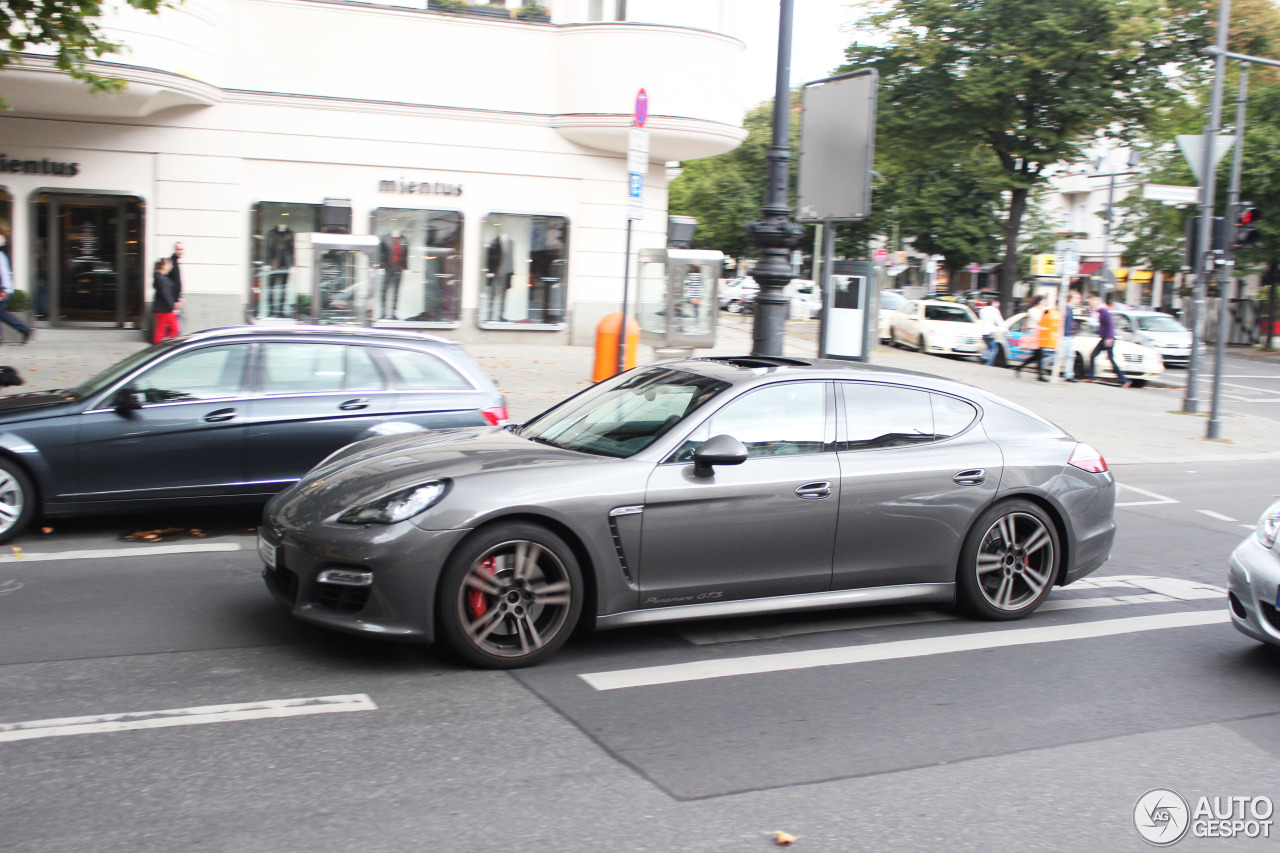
x,y
525,263
420,265
280,289
6,229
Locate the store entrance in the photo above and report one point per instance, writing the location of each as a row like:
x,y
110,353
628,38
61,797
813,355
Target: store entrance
x,y
88,259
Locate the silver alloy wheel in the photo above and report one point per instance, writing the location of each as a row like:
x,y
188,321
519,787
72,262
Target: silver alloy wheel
x,y
514,599
1016,561
734,307
12,500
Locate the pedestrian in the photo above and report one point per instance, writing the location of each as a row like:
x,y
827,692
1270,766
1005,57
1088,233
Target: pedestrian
x,y
1050,336
6,289
164,303
176,275
989,323
1031,337
1106,341
1068,337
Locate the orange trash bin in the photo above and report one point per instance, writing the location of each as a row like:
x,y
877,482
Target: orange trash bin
x,y
607,332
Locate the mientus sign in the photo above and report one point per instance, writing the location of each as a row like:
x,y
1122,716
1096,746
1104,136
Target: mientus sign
x,y
43,166
405,187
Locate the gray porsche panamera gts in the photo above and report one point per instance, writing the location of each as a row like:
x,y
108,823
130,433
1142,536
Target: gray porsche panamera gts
x,y
687,489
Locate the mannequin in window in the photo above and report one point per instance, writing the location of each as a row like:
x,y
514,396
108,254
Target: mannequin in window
x,y
500,265
393,253
279,261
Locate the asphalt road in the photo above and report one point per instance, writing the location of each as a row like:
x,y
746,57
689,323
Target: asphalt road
x,y
886,729
1249,385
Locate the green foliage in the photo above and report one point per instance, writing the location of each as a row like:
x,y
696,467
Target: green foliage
x,y
18,301
531,10
1018,86
68,26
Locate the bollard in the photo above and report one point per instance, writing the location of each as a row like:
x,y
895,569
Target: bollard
x,y
607,332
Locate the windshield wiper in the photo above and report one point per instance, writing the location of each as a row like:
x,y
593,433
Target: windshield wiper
x,y
540,440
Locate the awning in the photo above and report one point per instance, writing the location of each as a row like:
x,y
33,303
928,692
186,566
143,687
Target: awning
x,y
1090,267
1141,276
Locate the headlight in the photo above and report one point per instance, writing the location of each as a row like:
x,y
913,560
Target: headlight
x,y
1269,525
397,506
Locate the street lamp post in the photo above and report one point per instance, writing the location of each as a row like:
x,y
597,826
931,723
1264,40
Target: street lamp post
x,y
774,233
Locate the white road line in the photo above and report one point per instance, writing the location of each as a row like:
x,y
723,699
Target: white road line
x,y
1249,526
786,661
1216,515
1158,590
1158,499
185,717
111,553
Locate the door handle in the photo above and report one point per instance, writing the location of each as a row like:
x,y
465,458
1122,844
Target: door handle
x,y
972,477
354,405
219,415
814,491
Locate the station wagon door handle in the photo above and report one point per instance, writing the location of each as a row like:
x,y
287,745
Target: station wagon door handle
x,y
219,415
972,477
354,405
814,491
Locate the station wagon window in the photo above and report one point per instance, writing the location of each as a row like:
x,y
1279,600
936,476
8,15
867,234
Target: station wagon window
x,y
289,368
778,420
424,371
951,416
886,416
210,373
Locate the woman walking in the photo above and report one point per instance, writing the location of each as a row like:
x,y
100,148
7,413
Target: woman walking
x,y
1031,338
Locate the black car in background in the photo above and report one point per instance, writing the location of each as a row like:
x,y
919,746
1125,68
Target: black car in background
x,y
226,416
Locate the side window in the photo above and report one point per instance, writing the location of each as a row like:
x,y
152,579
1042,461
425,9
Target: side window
x,y
302,368
1122,323
423,371
204,374
886,416
362,373
779,420
1016,326
951,416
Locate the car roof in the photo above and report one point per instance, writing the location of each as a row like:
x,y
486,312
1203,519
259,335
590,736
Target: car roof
x,y
758,369
310,332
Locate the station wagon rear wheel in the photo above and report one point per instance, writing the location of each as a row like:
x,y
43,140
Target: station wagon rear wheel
x,y
1009,563
509,596
17,500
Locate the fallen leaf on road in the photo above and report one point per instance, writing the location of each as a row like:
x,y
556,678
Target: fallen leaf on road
x,y
783,839
46,530
17,552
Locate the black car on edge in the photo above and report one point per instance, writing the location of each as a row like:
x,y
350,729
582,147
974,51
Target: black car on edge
x,y
226,416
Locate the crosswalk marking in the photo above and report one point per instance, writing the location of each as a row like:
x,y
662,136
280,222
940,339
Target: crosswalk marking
x,y
133,720
1155,499
650,676
1219,516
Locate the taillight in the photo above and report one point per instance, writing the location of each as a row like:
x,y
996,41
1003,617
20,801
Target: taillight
x,y
1086,458
496,416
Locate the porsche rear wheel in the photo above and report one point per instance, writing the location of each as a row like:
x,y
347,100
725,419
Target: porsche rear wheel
x,y
509,596
1009,562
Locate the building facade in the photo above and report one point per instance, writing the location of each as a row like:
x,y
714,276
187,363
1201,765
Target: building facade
x,y
458,169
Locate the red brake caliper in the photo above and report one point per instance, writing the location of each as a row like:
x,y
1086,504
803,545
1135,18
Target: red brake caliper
x,y
475,598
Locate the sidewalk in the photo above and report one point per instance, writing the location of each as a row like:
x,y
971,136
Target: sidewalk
x,y
1127,425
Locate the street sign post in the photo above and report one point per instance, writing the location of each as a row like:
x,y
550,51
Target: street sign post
x,y
637,170
1171,194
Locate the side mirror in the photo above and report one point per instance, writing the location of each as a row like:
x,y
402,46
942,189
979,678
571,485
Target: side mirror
x,y
718,450
127,399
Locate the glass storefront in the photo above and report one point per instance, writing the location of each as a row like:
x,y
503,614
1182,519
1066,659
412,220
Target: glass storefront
x,y
279,289
420,256
88,259
525,270
6,228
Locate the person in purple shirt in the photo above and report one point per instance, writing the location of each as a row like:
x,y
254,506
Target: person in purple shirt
x,y
1106,341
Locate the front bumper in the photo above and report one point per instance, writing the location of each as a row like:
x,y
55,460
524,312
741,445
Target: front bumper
x,y
1253,587
402,560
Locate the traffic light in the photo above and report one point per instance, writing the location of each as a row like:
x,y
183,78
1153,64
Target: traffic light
x,y
1245,234
1218,236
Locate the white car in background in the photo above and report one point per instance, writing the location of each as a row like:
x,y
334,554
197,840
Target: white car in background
x,y
1139,363
934,326
889,302
1162,333
737,294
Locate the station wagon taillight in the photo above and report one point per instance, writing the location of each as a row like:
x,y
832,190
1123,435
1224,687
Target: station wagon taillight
x,y
496,416
1086,458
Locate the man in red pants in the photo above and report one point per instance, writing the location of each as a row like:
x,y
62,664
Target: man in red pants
x,y
165,302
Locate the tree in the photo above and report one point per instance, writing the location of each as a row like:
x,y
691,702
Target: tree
x,y
69,28
1027,81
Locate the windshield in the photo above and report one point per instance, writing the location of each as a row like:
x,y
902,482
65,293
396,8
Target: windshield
x,y
1158,323
891,301
624,415
117,371
947,313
